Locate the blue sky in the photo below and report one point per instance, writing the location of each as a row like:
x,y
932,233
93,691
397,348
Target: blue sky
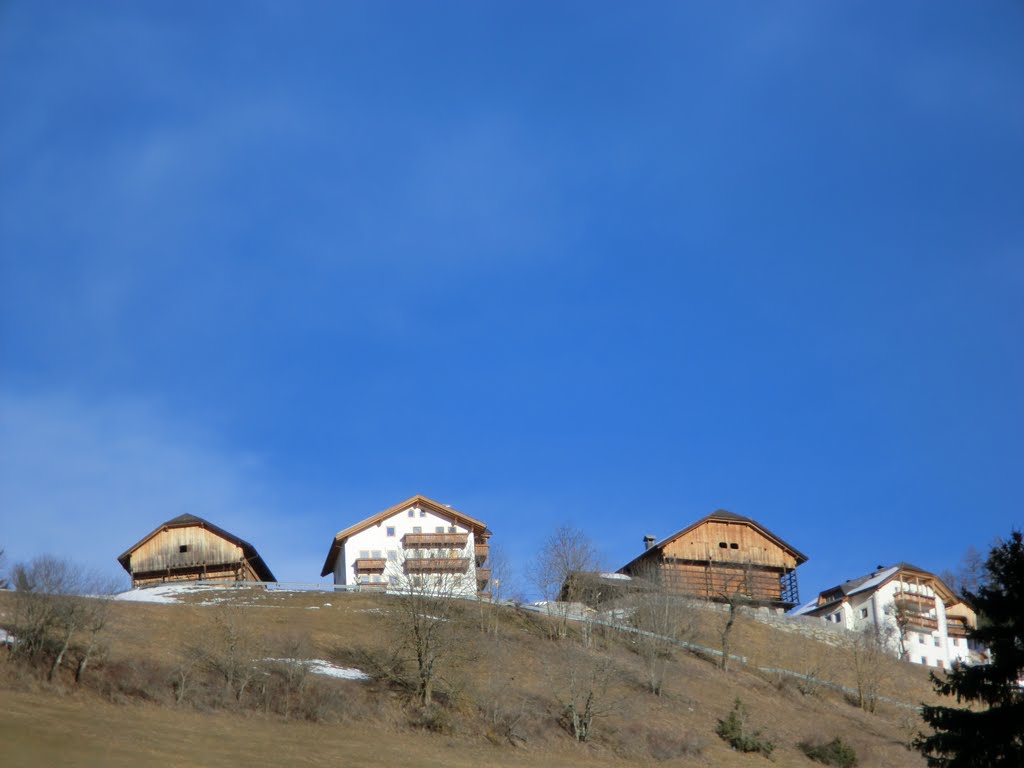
x,y
283,265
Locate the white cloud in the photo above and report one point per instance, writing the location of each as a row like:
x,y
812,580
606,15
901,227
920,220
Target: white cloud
x,y
86,480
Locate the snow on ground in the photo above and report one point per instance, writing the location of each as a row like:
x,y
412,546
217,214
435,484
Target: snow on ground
x,y
164,593
6,638
321,667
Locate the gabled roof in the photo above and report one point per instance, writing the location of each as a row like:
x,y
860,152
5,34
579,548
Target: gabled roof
x,y
189,521
878,578
722,516
419,500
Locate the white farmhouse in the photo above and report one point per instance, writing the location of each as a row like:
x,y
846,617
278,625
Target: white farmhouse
x,y
418,541
921,618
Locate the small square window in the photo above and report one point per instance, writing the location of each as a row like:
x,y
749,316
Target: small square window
x,y
412,512
863,613
423,513
439,529
183,548
452,529
734,546
920,639
935,638
722,545
391,530
364,554
417,529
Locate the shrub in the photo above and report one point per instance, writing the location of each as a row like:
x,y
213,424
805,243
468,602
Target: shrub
x,y
733,730
836,752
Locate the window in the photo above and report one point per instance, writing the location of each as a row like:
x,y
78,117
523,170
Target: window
x,y
722,545
393,555
920,639
452,529
863,613
364,554
439,529
837,616
377,554
417,529
412,511
423,513
393,581
936,639
391,530
734,546
183,548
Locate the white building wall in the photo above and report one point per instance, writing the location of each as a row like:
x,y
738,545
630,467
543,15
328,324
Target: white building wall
x,y
384,540
933,648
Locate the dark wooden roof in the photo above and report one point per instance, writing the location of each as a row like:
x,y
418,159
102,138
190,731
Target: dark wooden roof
x,y
188,521
725,516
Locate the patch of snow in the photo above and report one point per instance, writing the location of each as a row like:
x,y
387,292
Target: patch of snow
x,y
805,608
321,667
6,638
312,607
163,593
327,605
875,580
621,576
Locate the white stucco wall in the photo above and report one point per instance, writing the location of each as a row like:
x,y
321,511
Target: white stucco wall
x,y
933,648
375,541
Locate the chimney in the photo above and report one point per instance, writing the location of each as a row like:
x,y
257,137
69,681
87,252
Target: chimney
x,y
648,542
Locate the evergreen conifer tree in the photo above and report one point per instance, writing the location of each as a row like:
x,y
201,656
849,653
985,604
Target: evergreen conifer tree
x,y
991,734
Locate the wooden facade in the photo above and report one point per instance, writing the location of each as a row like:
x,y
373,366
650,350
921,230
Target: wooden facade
x,y
721,556
189,548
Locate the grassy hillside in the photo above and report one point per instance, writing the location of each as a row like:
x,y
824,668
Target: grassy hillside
x,y
502,695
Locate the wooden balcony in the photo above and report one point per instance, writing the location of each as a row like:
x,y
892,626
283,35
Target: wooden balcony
x,y
482,549
435,540
914,602
436,564
955,628
483,575
370,565
922,622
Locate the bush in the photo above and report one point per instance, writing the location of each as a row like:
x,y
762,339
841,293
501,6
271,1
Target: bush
x,y
733,730
836,752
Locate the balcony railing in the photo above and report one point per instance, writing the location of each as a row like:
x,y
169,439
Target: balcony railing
x,y
370,564
435,540
483,574
482,549
922,622
436,564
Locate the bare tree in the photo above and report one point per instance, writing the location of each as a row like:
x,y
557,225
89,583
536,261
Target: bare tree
x,y
662,620
901,618
3,565
969,573
737,594
229,649
584,682
867,655
566,554
425,626
58,604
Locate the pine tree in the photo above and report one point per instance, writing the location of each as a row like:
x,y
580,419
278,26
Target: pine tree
x,y
991,734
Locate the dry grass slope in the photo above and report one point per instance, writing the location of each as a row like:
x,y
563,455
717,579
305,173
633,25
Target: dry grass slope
x,y
505,698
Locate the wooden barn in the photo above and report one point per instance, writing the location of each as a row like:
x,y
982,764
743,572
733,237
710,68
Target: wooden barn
x,y
189,548
720,556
